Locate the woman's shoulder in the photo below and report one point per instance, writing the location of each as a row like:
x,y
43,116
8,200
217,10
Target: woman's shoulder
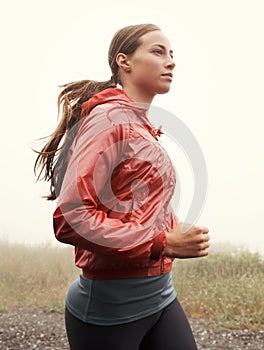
x,y
110,114
105,119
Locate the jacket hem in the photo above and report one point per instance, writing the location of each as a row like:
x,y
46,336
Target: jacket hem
x,y
130,273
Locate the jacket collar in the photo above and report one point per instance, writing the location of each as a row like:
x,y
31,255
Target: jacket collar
x,y
112,95
109,95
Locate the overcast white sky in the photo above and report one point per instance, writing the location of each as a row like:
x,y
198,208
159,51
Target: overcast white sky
x,y
218,92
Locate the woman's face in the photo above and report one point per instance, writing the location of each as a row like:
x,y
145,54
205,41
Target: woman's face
x,y
151,65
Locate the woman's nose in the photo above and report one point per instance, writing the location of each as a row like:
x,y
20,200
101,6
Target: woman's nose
x,y
171,64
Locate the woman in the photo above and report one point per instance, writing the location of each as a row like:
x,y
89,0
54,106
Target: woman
x,y
113,182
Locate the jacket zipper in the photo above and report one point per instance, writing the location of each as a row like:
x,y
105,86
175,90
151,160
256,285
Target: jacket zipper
x,y
162,265
129,214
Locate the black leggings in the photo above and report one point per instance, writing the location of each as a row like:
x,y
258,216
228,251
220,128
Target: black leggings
x,y
168,329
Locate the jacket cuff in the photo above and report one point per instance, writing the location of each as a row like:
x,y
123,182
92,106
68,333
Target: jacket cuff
x,y
158,246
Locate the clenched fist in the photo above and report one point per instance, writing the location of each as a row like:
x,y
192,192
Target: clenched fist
x,y
187,241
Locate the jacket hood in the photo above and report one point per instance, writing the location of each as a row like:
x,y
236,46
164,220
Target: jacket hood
x,y
109,95
117,95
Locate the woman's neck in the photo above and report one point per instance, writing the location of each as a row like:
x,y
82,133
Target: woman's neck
x,y
141,99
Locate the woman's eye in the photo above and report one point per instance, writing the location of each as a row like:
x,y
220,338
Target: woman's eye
x,y
157,51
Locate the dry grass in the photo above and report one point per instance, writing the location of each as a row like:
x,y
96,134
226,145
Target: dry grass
x,y
225,288
35,276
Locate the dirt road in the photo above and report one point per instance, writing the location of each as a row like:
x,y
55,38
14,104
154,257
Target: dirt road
x,y
32,328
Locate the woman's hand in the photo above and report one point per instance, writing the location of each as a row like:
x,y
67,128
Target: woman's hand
x,y
187,241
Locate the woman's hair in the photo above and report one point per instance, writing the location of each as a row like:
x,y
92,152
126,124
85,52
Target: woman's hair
x,y
52,159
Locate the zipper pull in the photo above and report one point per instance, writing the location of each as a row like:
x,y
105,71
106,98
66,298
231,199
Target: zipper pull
x,y
162,264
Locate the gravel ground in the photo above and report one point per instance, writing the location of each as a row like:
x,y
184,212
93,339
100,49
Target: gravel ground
x,y
32,328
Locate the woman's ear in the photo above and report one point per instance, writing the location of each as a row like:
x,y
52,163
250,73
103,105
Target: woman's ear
x,y
123,62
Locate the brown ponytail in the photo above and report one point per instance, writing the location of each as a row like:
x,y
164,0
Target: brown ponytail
x,y
70,102
52,159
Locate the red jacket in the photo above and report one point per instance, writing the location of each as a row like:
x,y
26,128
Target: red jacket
x,y
114,204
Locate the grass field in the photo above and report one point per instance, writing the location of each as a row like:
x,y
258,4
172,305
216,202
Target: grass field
x,y
225,288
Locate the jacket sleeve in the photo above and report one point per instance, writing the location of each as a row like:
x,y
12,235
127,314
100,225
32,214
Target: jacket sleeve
x,y
79,218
